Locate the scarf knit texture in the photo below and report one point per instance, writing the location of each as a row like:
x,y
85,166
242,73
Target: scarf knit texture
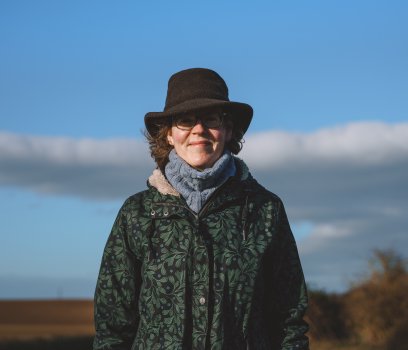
x,y
197,186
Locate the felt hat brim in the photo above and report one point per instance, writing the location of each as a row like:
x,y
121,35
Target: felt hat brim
x,y
239,113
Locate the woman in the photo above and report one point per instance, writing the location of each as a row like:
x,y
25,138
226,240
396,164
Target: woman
x,y
204,258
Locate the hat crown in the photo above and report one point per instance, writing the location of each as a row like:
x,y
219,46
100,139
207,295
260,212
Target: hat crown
x,y
196,90
194,84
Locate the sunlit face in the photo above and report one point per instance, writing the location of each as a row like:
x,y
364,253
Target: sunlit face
x,y
201,146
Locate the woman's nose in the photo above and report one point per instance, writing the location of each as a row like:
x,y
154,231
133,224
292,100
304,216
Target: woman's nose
x,y
198,128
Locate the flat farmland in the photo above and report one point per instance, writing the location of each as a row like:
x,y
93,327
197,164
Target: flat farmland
x,y
26,320
68,324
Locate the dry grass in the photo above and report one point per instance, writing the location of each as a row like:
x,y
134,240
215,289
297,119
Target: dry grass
x,y
332,345
26,320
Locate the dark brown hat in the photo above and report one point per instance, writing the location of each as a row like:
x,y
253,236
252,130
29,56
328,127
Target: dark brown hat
x,y
198,89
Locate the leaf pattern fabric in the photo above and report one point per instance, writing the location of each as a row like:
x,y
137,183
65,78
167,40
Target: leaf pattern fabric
x,y
228,277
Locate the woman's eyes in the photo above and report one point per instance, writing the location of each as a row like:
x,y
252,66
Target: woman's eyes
x,y
186,120
212,119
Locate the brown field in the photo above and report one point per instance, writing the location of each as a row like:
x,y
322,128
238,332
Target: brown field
x,y
59,320
26,320
371,315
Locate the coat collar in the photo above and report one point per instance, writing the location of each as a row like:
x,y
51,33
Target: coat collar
x,y
158,181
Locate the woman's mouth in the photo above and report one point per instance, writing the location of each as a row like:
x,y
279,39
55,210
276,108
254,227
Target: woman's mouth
x,y
200,143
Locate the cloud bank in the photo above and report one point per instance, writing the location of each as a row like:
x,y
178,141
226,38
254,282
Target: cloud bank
x,y
93,169
348,182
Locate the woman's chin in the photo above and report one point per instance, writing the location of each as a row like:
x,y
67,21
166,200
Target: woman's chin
x,y
201,163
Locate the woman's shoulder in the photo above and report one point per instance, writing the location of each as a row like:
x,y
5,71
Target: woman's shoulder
x,y
251,185
137,197
137,201
262,192
144,200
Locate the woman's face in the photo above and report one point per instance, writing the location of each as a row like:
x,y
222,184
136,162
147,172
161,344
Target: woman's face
x,y
201,146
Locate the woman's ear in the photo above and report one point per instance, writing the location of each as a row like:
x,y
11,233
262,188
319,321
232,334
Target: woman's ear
x,y
228,135
170,138
228,130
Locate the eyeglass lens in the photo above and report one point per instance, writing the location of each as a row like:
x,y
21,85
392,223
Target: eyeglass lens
x,y
189,121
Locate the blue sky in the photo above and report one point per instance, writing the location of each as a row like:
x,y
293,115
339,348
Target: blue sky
x,y
85,73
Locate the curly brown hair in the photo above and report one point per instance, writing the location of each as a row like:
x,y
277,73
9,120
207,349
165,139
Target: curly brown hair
x,y
160,147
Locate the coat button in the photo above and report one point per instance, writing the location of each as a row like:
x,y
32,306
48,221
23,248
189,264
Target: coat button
x,y
202,300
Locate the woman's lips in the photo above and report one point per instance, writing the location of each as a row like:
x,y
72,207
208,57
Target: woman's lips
x,y
200,143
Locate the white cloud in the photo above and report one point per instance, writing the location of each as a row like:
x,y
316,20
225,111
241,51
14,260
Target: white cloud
x,y
364,143
349,182
68,151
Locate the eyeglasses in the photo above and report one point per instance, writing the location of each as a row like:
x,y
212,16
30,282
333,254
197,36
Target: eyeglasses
x,y
189,121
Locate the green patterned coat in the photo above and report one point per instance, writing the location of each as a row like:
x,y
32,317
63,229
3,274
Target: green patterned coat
x,y
228,277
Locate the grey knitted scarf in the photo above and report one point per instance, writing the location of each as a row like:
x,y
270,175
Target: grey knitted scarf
x,y
194,185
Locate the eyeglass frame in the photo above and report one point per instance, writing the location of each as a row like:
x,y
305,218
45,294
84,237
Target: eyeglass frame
x,y
200,118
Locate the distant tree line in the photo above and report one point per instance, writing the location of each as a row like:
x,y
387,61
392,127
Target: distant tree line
x,y
372,313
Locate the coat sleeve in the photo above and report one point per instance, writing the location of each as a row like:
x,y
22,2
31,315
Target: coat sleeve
x,y
116,296
286,290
